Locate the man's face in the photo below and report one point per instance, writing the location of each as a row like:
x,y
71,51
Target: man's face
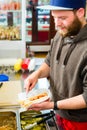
x,y
66,22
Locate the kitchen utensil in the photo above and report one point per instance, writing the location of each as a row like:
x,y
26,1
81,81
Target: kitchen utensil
x,y
43,115
1,84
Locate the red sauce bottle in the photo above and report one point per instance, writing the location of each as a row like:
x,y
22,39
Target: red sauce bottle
x,y
25,63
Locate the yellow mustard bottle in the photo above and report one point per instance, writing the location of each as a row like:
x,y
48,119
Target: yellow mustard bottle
x,y
17,65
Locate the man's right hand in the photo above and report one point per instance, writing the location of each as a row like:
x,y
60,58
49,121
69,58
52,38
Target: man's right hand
x,y
31,81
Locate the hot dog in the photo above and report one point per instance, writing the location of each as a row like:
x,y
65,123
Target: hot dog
x,y
38,96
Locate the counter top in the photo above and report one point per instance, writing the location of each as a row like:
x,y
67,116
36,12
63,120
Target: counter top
x,y
21,76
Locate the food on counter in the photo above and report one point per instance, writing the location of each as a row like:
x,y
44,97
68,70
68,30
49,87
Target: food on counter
x,y
38,96
26,119
13,5
26,103
6,127
8,121
9,33
34,96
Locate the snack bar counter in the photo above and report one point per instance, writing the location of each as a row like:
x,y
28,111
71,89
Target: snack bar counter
x,y
13,119
12,116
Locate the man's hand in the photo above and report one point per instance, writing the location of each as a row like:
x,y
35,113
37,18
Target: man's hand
x,y
42,72
31,81
42,106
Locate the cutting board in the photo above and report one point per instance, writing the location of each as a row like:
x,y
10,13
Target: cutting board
x,y
9,93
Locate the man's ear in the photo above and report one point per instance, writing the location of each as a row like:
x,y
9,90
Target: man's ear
x,y
80,12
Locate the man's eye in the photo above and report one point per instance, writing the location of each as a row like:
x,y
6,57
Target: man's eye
x,y
63,18
60,18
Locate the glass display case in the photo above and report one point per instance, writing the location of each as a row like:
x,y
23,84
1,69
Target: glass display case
x,y
12,28
86,10
37,21
37,25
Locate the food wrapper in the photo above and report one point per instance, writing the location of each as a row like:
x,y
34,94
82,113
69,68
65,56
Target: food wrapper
x,y
34,96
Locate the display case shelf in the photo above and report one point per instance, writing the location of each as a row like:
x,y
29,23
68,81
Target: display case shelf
x,y
12,29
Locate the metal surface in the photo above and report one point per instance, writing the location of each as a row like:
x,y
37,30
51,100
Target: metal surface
x,y
17,112
16,109
13,111
22,111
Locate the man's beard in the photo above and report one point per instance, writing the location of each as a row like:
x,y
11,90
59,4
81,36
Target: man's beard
x,y
72,29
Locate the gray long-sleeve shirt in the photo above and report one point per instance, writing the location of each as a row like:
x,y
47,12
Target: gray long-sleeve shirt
x,y
68,71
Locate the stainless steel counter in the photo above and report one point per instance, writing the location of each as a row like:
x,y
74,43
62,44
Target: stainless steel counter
x,y
22,76
17,113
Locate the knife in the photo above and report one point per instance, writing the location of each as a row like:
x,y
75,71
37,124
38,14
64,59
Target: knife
x,y
1,84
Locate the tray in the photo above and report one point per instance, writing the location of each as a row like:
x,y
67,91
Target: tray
x,y
26,118
12,123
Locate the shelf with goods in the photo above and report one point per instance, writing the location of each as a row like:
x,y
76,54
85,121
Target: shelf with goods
x,y
12,29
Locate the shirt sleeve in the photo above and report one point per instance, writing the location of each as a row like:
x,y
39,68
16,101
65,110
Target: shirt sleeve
x,y
84,78
47,60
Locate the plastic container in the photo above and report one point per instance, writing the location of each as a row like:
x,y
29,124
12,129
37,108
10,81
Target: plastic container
x,y
34,96
31,65
25,64
4,77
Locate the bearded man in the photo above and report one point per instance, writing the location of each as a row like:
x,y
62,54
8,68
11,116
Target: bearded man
x,y
66,65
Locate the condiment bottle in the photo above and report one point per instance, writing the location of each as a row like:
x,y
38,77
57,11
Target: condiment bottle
x,y
25,63
31,65
17,65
